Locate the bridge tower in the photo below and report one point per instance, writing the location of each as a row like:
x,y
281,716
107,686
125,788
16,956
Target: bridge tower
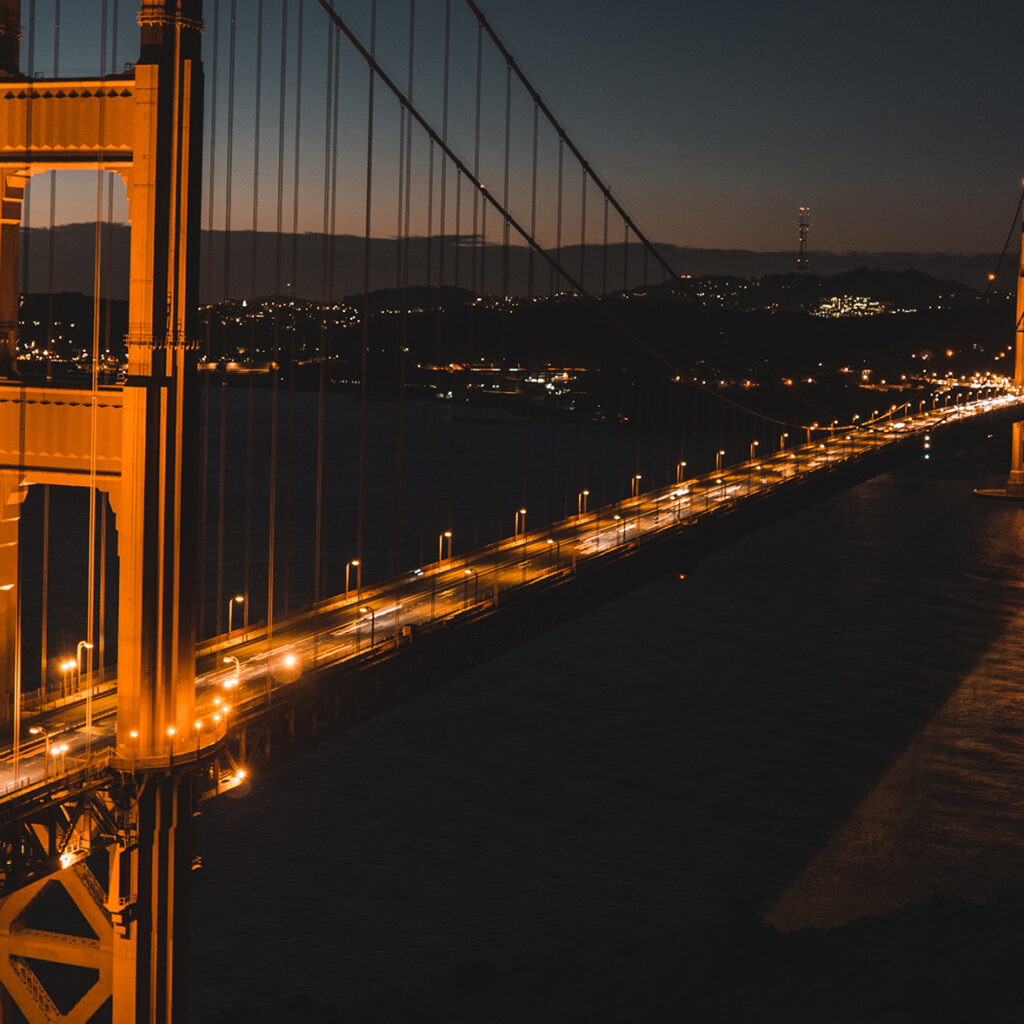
x,y
139,445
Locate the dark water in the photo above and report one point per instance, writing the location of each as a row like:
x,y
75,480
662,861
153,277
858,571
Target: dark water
x,y
822,721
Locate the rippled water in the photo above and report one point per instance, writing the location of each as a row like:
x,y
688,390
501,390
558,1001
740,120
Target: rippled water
x,y
822,721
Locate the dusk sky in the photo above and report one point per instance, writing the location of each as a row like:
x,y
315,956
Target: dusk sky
x,y
897,123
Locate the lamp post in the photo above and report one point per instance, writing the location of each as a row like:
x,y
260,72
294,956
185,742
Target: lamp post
x,y
85,645
554,551
230,659
447,535
520,517
782,442
753,449
680,471
635,490
581,502
237,599
367,610
66,666
476,584
359,573
35,730
61,752
718,460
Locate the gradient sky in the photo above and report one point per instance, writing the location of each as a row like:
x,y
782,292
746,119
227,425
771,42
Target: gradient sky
x,y
897,123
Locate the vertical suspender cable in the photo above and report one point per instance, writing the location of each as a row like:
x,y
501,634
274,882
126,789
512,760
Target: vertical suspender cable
x,y
247,543
583,229
330,156
476,167
505,228
205,419
290,462
333,253
604,253
533,209
557,286
441,312
222,392
366,291
275,368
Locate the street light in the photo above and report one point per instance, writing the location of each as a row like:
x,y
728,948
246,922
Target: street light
x,y
636,484
554,550
680,471
359,574
581,502
753,446
35,730
85,645
61,751
522,513
230,659
447,535
718,460
237,599
476,584
66,666
367,610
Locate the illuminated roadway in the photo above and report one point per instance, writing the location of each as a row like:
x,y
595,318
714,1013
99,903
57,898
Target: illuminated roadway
x,y
364,624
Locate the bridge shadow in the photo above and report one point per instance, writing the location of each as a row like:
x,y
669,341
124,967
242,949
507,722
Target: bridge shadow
x,y
673,760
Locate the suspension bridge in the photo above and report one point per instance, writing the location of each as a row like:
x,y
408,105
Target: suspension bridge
x,y
286,528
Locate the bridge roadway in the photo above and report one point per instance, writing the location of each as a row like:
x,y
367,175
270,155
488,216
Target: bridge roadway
x,y
362,626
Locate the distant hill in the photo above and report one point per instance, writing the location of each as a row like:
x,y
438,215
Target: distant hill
x,y
249,267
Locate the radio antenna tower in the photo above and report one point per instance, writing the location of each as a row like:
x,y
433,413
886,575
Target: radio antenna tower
x,y
805,226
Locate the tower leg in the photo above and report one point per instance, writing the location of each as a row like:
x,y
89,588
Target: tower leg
x,y
11,495
12,192
149,903
1015,483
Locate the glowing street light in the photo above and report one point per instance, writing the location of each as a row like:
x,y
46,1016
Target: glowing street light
x,y
753,447
581,502
680,471
554,550
367,610
782,442
447,535
237,599
636,484
85,645
82,645
36,730
230,659
520,513
66,666
476,585
718,460
359,574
